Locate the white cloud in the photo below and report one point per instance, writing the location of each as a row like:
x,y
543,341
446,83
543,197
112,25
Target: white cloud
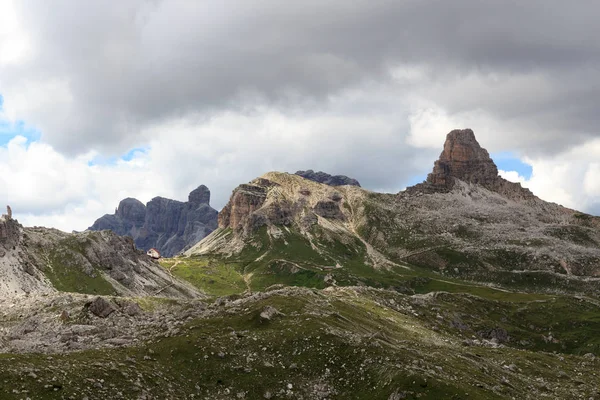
x,y
15,46
513,176
219,94
45,187
571,178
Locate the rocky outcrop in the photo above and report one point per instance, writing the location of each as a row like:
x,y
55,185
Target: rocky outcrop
x,y
168,225
280,200
245,199
331,180
329,209
464,159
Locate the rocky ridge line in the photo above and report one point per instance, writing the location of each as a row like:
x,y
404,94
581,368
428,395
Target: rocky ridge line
x,y
327,179
170,226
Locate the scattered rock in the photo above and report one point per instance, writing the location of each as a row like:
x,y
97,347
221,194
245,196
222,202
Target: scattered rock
x,y
499,334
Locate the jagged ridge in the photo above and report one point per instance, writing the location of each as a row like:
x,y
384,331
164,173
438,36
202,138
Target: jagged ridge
x,y
167,225
331,180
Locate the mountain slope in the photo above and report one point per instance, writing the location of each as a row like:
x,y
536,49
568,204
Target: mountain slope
x,y
41,260
167,225
464,222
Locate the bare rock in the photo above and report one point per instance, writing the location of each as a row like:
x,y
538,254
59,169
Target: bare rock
x,y
464,159
329,209
132,309
268,313
100,307
498,334
167,225
245,199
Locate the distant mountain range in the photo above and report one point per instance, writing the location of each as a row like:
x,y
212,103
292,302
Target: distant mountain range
x,y
167,225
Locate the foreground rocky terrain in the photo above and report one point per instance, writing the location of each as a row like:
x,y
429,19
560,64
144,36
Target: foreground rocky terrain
x,y
466,286
167,225
299,343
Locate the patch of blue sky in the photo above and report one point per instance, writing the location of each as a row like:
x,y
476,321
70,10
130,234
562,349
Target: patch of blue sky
x,y
113,160
416,180
8,130
508,161
134,152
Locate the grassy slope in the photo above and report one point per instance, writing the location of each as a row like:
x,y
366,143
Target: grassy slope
x,y
67,276
335,343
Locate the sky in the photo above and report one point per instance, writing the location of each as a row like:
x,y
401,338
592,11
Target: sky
x,y
154,97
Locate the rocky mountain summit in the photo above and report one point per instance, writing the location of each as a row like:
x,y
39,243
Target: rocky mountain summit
x,y
331,180
167,225
465,160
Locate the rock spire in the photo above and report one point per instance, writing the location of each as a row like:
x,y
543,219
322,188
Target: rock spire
x,y
464,159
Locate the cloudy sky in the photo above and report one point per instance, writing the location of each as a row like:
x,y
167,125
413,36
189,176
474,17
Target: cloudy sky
x,y
147,98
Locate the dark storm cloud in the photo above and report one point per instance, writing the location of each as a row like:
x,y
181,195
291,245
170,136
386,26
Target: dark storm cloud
x,y
128,67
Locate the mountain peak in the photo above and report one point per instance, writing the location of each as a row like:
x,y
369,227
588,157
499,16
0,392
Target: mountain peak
x,y
465,159
165,224
200,195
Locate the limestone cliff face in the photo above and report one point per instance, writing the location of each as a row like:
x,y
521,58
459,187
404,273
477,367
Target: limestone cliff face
x,y
168,225
279,199
245,199
464,159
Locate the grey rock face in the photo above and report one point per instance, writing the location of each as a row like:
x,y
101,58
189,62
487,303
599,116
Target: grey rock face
x,y
168,225
331,180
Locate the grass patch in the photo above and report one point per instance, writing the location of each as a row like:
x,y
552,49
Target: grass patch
x,y
211,276
66,273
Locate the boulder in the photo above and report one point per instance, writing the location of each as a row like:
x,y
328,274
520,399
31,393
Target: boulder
x,y
268,313
100,307
132,309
